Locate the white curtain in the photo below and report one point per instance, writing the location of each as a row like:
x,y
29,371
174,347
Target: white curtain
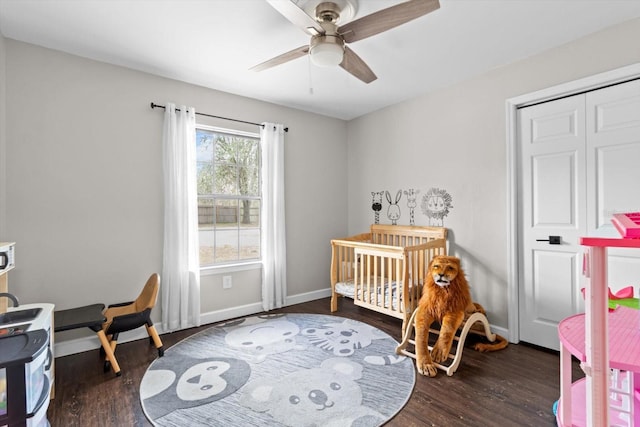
x,y
274,254
180,281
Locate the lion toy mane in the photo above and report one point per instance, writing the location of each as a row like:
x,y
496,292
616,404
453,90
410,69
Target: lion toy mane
x,y
446,299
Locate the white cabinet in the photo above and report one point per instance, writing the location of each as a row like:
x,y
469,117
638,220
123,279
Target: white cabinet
x,y
26,366
7,262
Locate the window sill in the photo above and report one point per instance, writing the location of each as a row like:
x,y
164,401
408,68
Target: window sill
x,y
230,268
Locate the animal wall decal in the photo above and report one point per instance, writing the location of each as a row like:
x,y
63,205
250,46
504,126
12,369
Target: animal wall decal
x,y
393,211
376,205
435,205
412,195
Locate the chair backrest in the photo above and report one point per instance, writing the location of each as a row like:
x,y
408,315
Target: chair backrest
x,y
148,296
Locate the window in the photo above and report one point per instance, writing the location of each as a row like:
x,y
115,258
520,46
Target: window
x,y
229,199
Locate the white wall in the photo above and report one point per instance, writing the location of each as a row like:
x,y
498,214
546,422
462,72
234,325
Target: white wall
x,y
455,139
84,181
3,179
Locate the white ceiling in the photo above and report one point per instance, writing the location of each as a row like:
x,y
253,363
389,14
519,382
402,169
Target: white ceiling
x,y
213,43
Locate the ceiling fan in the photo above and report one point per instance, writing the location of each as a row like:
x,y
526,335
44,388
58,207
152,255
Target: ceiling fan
x,y
328,45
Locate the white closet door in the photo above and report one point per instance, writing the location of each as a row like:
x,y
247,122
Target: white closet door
x,y
553,189
580,163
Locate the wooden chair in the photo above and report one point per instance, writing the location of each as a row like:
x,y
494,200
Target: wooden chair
x,y
476,323
127,316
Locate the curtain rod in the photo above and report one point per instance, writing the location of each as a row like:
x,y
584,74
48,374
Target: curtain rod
x,y
153,105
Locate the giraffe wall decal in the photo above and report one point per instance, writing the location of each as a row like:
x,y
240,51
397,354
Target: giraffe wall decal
x,y
412,195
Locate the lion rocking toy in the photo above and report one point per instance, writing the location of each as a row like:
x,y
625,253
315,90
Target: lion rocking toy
x,y
446,299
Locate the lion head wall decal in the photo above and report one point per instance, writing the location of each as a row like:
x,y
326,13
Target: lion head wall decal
x,y
435,205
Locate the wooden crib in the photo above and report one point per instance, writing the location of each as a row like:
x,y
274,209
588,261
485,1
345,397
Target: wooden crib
x,y
384,270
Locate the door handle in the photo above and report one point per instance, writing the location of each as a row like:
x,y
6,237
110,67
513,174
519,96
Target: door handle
x,y
553,240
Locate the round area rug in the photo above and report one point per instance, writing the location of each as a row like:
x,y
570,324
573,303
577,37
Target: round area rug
x,y
275,370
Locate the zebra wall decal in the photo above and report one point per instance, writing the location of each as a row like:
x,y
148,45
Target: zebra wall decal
x,y
376,205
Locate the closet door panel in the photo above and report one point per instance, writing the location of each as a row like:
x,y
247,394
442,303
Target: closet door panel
x,y
552,188
613,169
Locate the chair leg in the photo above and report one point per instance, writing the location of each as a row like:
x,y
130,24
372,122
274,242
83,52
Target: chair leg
x,y
111,358
102,352
113,342
153,334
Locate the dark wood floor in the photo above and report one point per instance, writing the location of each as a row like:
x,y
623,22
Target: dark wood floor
x,y
512,387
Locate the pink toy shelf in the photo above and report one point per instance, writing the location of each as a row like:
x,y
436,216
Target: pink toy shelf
x,y
608,346
624,356
628,224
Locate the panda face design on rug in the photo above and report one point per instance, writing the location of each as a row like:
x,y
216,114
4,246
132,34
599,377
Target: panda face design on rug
x,y
323,396
257,339
192,382
203,380
343,338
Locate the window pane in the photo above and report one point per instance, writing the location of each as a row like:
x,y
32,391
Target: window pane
x,y
206,250
249,243
226,213
205,177
226,230
204,145
250,213
205,213
248,181
204,165
226,245
225,149
205,225
226,178
250,229
248,151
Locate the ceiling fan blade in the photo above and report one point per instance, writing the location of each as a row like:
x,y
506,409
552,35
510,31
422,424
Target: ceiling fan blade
x,y
281,59
297,16
354,65
386,19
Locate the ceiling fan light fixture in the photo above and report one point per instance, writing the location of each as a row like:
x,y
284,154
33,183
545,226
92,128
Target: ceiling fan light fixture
x,y
327,51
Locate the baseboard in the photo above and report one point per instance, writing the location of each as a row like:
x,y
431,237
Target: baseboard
x,y
308,296
79,345
503,332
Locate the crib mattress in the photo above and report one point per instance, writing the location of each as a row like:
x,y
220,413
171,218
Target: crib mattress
x,y
348,289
